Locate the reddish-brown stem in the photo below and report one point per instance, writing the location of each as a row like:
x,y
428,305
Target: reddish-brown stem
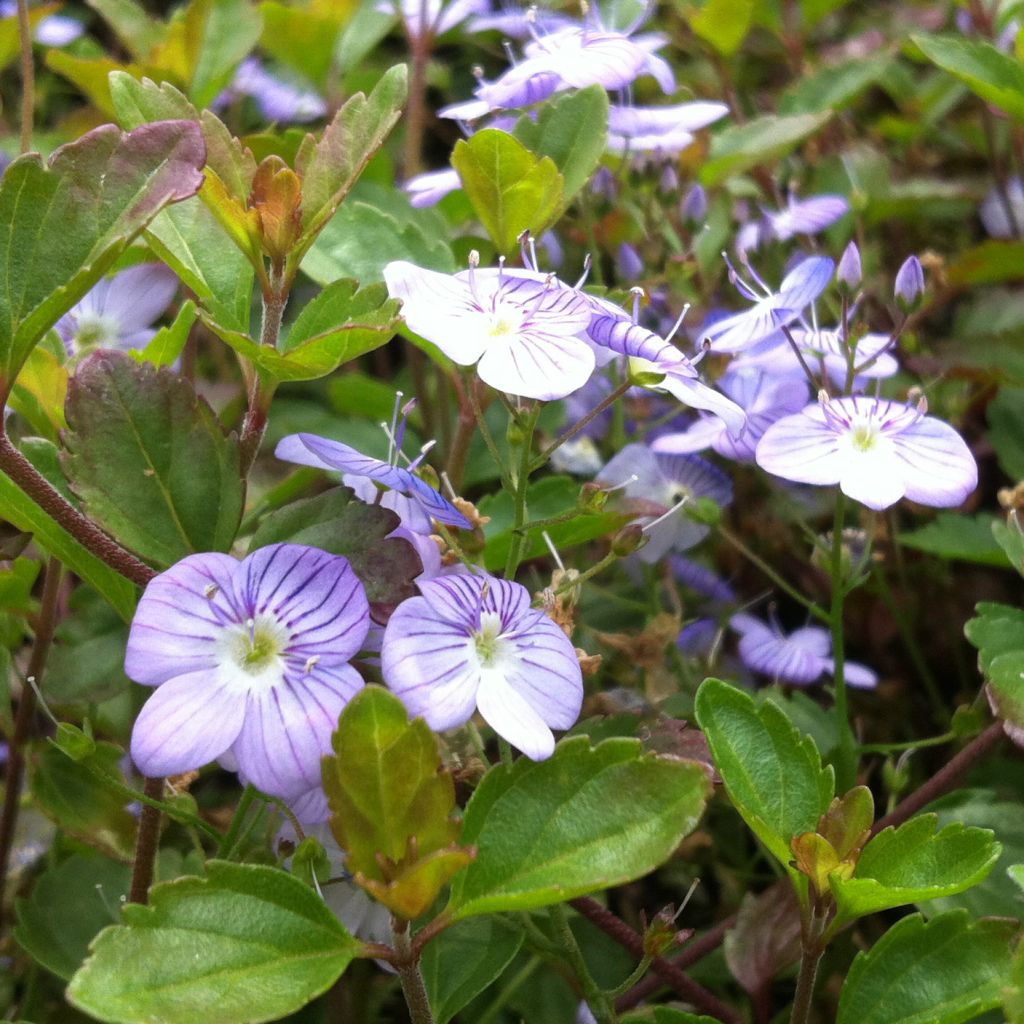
x,y
146,842
615,928
45,625
944,780
28,77
90,536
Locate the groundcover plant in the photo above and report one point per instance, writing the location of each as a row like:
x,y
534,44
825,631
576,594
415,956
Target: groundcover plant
x,y
512,514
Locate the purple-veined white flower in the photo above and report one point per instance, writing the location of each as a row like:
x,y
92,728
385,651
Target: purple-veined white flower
x,y
764,397
771,310
251,663
118,312
660,486
279,101
474,643
876,450
616,332
701,579
659,129
425,19
798,217
429,188
801,657
414,500
520,327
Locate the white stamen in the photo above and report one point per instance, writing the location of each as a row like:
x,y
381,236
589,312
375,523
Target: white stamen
x,y
447,485
310,664
619,487
210,591
665,515
678,323
552,549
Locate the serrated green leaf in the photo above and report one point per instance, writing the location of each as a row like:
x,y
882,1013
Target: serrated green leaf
x,y
167,344
70,219
329,168
149,459
511,190
914,862
1010,537
245,944
572,130
88,890
995,77
723,23
91,75
461,962
335,522
945,971
217,35
953,536
305,37
541,839
1005,415
758,142
772,774
997,629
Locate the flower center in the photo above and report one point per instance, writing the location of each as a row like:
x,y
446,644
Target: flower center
x,y
505,320
256,645
488,642
864,436
96,331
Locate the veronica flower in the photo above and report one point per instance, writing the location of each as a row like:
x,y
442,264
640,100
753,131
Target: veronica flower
x,y
430,188
414,501
425,19
474,642
250,660
876,450
619,333
520,327
802,657
798,217
771,310
660,486
119,311
277,99
1002,210
661,129
764,397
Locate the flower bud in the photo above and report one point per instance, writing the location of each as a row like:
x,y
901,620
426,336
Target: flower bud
x,y
628,264
669,181
629,539
78,745
310,861
909,283
694,208
849,272
592,498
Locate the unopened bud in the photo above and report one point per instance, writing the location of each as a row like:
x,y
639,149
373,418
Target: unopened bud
x,y
629,539
628,263
694,209
310,861
592,498
76,743
849,271
909,285
660,935
669,181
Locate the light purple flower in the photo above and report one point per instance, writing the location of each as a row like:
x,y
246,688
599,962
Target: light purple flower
x,y
1002,210
798,217
659,129
430,188
876,450
909,282
660,486
764,397
628,264
771,310
802,657
119,311
425,19
250,660
522,328
617,332
414,500
473,642
279,101
849,271
694,207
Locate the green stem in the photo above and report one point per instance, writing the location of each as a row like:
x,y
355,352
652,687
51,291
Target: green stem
x,y
485,433
635,977
599,1003
509,991
846,763
579,425
813,949
896,748
227,843
409,974
28,77
520,485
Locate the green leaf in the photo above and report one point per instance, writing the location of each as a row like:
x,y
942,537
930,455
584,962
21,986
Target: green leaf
x,y
391,804
21,511
1005,415
80,804
70,219
246,944
945,971
305,37
995,77
991,262
1010,537
666,1015
88,890
571,129
217,35
758,142
167,344
953,536
541,839
336,523
461,962
724,24
149,459
833,87
914,862
772,773
91,75
998,633
329,168
361,240
137,31
511,190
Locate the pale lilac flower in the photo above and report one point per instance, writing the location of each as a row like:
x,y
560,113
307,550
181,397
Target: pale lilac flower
x,y
279,101
521,22
702,579
771,310
1002,210
425,19
801,657
415,501
55,30
119,311
473,642
849,271
628,263
521,328
660,486
909,283
618,333
659,129
876,450
694,207
798,217
668,183
430,188
250,660
764,397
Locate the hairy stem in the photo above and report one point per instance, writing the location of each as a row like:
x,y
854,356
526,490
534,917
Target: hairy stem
x,y
846,765
813,949
28,77
522,481
420,45
599,1003
45,625
579,425
407,962
147,841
